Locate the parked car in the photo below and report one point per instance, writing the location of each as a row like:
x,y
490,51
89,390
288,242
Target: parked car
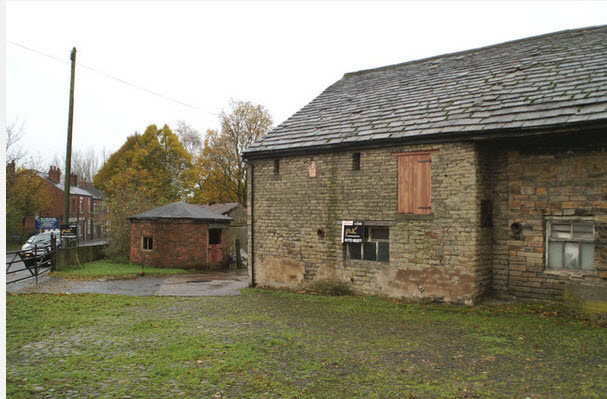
x,y
38,247
41,240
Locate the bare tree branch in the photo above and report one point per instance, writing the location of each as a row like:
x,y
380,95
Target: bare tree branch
x,y
14,134
190,137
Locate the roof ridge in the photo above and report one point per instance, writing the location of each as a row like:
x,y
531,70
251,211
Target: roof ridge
x,y
461,52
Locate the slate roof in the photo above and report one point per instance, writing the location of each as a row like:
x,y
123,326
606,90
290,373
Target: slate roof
x,y
97,193
74,190
221,209
558,79
181,210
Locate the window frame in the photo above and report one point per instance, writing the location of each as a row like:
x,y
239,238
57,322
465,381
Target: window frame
x,y
571,221
147,243
368,237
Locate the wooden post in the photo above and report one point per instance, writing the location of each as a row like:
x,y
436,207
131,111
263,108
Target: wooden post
x,y
68,152
238,260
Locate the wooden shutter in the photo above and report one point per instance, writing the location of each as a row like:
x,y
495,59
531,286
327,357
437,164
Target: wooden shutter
x,y
414,183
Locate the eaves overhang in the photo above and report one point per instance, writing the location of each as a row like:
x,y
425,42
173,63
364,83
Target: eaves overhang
x,y
596,126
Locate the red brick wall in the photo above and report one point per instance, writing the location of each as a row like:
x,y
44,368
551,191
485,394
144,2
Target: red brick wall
x,y
177,243
83,214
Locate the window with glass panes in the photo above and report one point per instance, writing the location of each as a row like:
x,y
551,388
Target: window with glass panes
x,y
147,243
375,245
570,245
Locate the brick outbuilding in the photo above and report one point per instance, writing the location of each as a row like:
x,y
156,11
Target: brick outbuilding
x,y
180,235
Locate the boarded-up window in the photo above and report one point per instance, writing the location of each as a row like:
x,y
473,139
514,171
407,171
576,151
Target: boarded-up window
x,y
414,183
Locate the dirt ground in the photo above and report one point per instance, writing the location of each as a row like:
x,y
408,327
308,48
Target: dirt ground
x,y
209,283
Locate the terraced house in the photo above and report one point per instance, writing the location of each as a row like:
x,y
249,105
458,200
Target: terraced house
x,y
449,178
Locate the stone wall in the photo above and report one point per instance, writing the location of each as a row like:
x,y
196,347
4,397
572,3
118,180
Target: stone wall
x,y
79,255
297,224
534,181
465,249
178,243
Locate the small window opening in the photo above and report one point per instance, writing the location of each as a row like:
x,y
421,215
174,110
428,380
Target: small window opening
x,y
214,236
486,213
356,161
277,166
148,243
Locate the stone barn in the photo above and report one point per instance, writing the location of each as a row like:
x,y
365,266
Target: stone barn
x,y
478,173
180,235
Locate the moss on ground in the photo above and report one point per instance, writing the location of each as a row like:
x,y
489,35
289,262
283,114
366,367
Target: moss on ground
x,y
268,344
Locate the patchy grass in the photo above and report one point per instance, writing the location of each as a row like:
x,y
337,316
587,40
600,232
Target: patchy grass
x,y
105,269
13,246
267,344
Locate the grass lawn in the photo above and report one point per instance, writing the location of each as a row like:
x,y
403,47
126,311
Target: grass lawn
x,y
11,246
108,269
271,344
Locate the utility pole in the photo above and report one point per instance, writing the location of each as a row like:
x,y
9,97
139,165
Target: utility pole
x,y
68,152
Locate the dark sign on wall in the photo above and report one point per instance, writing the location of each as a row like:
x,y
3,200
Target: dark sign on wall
x,y
352,231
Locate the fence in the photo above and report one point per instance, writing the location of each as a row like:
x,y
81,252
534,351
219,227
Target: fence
x,y
29,264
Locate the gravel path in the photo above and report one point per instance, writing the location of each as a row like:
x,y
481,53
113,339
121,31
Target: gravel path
x,y
211,283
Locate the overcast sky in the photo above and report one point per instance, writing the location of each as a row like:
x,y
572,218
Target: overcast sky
x,y
141,63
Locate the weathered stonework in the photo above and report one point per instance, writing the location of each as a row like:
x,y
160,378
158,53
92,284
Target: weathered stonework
x,y
450,254
532,182
438,256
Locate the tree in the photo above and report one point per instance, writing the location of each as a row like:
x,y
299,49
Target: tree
x,y
14,134
154,163
190,138
120,206
150,169
222,174
26,194
85,163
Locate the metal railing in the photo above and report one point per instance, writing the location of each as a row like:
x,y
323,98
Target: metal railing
x,y
36,262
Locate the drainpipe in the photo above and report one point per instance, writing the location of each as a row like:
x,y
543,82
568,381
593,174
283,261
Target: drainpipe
x,y
252,254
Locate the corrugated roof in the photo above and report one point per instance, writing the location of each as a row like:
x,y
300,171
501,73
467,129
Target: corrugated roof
x,y
221,209
559,79
181,210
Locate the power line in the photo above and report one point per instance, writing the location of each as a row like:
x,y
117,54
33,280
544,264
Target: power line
x,y
108,76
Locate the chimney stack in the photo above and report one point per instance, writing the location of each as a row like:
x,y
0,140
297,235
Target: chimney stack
x,y
73,180
54,174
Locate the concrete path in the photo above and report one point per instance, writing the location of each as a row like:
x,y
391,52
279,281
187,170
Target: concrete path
x,y
211,283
